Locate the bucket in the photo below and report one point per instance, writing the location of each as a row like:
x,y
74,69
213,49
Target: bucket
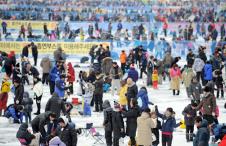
x,y
75,101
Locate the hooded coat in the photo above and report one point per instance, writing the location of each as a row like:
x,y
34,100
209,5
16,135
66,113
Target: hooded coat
x,y
71,73
23,133
19,93
132,91
56,105
107,116
208,104
143,95
187,76
133,74
27,103
189,120
46,65
144,132
208,72
203,135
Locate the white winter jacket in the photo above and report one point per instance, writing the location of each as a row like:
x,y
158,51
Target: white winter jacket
x,y
38,89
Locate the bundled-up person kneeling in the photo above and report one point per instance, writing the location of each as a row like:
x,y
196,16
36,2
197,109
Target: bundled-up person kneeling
x,y
15,112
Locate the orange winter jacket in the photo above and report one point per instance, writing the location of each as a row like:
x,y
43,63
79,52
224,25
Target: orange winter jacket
x,y
123,57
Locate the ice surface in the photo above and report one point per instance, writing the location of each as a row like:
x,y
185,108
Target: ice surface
x,y
162,97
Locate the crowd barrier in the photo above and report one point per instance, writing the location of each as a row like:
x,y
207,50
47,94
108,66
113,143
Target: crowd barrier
x,y
70,48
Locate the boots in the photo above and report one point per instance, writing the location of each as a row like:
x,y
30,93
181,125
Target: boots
x,y
0,113
191,136
38,110
173,92
178,92
187,137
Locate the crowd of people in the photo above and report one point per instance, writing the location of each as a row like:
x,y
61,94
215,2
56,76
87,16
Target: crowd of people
x,y
97,10
201,76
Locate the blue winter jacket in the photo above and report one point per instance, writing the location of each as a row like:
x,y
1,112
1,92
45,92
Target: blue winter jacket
x,y
59,87
203,135
144,97
168,124
11,112
208,72
54,74
133,74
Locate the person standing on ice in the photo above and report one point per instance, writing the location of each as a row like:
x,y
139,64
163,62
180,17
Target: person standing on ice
x,y
34,49
132,91
54,74
46,66
108,122
70,76
5,88
98,93
19,91
132,73
38,92
175,75
187,76
116,75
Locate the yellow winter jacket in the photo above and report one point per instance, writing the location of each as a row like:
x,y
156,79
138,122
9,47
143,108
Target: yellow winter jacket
x,y
5,87
122,97
155,76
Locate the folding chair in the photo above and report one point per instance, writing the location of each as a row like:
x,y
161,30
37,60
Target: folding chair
x,y
86,130
97,136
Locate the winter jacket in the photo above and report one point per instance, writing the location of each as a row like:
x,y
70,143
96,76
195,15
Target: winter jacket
x,y
189,115
132,91
11,112
223,141
143,95
23,133
34,49
27,103
219,81
19,93
99,87
56,105
25,51
217,63
208,72
56,142
144,132
155,76
16,73
202,55
71,73
117,124
122,96
34,72
175,78
106,65
5,88
107,116
46,65
196,90
187,76
203,135
123,57
38,89
168,123
190,59
54,74
168,59
208,104
59,87
131,122
40,121
68,135
198,65
116,72
133,74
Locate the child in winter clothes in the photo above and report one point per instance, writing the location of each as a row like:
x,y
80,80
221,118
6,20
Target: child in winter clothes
x,y
25,137
168,125
70,76
5,88
38,91
219,83
189,118
14,112
175,75
155,78
27,103
196,90
122,94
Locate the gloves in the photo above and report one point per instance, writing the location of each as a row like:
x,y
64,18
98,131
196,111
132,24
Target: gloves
x,y
156,108
213,114
17,101
181,123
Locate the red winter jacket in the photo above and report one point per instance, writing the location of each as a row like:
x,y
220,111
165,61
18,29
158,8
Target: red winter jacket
x,y
71,73
223,142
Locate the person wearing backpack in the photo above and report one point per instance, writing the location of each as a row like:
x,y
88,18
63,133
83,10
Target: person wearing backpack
x,y
108,122
131,122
